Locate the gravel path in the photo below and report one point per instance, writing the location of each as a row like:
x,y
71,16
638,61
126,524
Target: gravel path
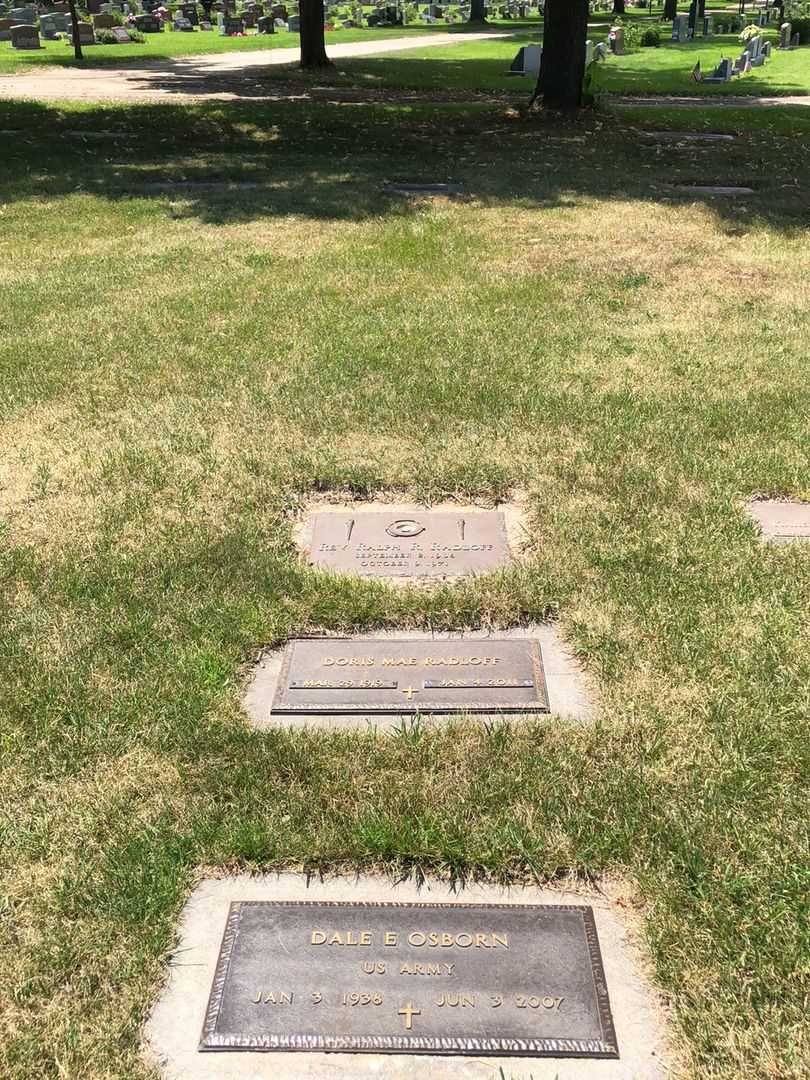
x,y
739,101
224,75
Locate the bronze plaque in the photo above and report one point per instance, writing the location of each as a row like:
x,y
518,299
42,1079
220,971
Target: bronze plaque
x,y
436,543
411,978
345,676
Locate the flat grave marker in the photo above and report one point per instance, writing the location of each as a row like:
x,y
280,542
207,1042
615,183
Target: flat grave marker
x,y
386,678
714,189
436,1011
521,981
781,522
408,543
350,676
426,190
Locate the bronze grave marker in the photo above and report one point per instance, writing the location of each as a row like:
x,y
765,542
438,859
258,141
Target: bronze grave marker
x,y
496,979
368,676
433,543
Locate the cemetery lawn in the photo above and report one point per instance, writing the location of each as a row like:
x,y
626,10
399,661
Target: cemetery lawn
x,y
484,65
171,43
183,368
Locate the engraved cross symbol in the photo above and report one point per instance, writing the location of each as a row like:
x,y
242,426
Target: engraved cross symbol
x,y
408,1011
409,691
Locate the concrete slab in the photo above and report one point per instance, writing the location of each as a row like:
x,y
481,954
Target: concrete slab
x,y
781,522
569,696
173,1029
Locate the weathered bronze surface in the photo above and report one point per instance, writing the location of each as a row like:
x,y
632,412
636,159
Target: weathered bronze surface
x,y
468,979
430,544
344,676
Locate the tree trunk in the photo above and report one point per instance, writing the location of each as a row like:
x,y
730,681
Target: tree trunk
x,y
477,12
693,15
313,43
670,9
565,31
701,14
74,25
618,7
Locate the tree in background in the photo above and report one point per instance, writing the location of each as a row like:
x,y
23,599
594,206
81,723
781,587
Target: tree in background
x,y
313,42
670,9
74,25
562,69
618,7
477,15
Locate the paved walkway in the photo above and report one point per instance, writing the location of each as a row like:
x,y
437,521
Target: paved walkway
x,y
738,101
222,75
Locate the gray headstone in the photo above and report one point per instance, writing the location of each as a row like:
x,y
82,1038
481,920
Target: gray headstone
x,y
25,37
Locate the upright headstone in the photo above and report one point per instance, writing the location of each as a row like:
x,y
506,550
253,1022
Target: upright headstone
x,y
148,24
588,53
5,29
616,39
680,28
23,16
104,22
294,24
87,35
708,26
51,25
25,37
785,31
266,24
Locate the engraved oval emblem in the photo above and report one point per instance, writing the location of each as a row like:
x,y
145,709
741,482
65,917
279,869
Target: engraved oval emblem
x,y
405,528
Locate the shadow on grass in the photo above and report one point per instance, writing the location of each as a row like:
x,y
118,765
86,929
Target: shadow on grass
x,y
224,163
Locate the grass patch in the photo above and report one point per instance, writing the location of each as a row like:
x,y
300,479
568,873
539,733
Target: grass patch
x,y
181,371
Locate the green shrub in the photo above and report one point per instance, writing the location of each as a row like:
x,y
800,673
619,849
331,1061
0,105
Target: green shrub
x,y
651,38
136,35
106,37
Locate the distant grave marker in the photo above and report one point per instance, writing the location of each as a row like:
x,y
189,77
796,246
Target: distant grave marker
x,y
427,190
781,522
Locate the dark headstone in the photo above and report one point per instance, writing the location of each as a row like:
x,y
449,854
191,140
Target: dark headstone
x,y
25,37
405,544
488,979
148,24
347,676
266,25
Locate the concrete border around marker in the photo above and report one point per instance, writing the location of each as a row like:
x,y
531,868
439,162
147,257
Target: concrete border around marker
x,y
569,694
514,514
173,1029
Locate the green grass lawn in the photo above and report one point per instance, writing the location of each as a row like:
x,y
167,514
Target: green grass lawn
x,y
171,43
182,370
483,66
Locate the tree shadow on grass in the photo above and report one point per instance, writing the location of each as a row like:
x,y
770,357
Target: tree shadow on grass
x,y
228,163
